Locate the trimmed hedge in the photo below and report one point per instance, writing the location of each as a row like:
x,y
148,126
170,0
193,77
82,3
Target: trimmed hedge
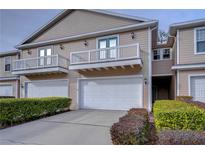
x,y
131,129
176,115
19,110
178,137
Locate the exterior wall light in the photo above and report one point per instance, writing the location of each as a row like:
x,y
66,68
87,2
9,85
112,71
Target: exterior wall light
x,y
22,85
61,46
85,43
29,52
133,35
145,81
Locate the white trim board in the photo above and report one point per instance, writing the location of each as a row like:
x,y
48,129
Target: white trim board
x,y
149,69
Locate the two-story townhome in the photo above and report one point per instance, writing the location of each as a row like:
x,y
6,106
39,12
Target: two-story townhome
x,y
189,62
105,60
101,60
9,83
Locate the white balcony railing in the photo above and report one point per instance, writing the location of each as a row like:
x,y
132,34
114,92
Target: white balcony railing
x,y
106,54
40,62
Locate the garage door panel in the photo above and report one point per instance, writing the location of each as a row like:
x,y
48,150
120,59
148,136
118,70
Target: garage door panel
x,y
198,88
115,94
47,88
6,90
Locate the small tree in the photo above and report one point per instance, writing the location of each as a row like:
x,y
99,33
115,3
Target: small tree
x,y
162,36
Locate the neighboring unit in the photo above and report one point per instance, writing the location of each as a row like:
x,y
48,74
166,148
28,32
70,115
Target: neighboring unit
x,y
190,58
9,84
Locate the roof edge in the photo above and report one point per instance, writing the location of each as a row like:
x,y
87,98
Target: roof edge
x,y
186,24
152,23
11,52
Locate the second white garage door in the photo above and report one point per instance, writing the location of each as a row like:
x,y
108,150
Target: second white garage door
x,y
197,89
112,93
6,90
47,88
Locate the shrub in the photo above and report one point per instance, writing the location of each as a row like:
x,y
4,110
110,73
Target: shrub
x,y
177,137
184,98
24,109
139,111
170,114
131,129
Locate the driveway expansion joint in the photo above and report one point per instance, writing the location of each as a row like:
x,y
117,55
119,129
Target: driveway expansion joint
x,y
75,123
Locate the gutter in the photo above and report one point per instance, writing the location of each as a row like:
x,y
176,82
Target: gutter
x,y
188,67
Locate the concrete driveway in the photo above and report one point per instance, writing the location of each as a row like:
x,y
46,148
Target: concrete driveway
x,y
74,127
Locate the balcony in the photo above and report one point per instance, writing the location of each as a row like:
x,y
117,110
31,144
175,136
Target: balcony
x,y
40,65
106,58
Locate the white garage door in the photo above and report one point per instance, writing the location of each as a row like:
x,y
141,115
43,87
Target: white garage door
x,y
6,90
198,88
47,88
112,94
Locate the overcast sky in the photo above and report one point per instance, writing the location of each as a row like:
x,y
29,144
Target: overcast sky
x,y
15,25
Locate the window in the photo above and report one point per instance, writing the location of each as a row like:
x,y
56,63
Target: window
x,y
200,40
7,66
110,42
45,56
161,54
166,54
156,55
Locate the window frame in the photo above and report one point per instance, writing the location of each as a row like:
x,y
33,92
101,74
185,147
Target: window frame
x,y
161,54
45,49
195,41
7,64
107,38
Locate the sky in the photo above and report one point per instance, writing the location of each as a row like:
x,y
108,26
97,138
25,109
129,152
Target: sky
x,y
16,25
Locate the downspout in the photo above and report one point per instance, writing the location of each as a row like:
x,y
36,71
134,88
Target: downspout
x,y
150,67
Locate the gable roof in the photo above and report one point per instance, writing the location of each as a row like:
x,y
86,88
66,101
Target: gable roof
x,y
64,13
187,24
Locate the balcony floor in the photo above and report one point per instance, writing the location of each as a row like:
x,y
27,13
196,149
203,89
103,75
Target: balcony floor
x,y
56,69
106,65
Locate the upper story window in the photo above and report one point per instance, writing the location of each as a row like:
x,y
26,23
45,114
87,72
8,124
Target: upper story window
x,y
45,56
7,64
156,55
200,40
108,42
162,54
